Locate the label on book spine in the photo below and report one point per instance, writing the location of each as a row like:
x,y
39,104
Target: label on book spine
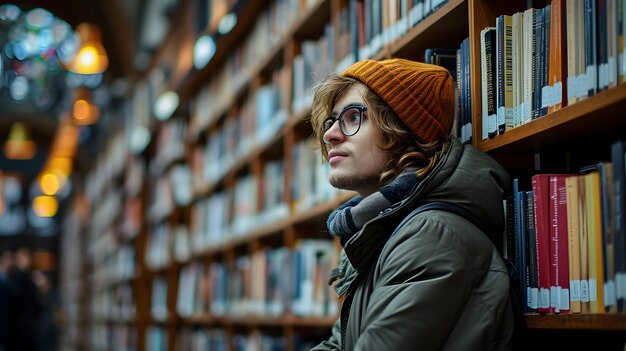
x,y
574,286
571,85
547,96
501,116
564,299
417,13
592,78
620,288
554,296
533,298
593,290
609,294
612,70
544,298
584,290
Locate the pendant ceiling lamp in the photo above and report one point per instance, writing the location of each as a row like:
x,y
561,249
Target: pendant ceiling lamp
x,y
18,145
90,58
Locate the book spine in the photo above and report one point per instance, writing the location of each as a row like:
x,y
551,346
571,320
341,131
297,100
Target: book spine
x,y
618,154
531,244
594,242
559,244
540,184
605,170
500,52
573,253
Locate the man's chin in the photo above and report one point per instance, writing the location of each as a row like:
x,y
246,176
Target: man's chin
x,y
339,180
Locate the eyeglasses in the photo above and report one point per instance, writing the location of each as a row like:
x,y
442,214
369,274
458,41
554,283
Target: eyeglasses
x,y
349,118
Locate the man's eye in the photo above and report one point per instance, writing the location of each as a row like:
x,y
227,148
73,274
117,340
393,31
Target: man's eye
x,y
352,117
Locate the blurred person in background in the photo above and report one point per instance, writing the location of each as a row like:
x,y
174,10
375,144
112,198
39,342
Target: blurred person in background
x,y
46,327
6,261
24,308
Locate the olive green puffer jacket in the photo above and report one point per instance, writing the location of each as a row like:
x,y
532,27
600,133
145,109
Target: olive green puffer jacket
x,y
439,283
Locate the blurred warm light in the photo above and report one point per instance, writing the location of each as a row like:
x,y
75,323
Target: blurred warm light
x,y
91,57
66,138
61,164
18,146
83,111
49,183
45,206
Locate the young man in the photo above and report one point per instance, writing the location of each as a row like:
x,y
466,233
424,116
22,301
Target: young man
x,y
437,283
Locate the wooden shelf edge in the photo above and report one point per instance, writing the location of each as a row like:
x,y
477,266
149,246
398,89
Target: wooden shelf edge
x,y
599,108
615,322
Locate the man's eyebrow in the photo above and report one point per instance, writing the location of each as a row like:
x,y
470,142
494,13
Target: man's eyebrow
x,y
349,104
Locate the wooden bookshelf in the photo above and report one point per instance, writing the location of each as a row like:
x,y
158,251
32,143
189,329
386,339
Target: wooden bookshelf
x,y
597,322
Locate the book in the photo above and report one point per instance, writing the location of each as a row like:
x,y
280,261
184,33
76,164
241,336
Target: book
x,y
508,74
541,193
618,154
542,106
605,171
529,63
521,256
531,250
537,61
621,42
559,274
573,239
590,43
517,38
594,242
488,78
553,96
584,244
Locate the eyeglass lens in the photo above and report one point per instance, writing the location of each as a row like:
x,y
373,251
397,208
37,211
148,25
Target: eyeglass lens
x,y
349,120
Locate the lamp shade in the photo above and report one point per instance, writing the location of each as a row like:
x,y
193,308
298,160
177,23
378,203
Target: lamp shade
x,y
18,145
90,58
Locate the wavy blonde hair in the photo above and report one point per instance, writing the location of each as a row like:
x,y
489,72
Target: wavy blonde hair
x,y
406,151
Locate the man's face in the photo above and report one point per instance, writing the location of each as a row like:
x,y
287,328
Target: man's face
x,y
355,161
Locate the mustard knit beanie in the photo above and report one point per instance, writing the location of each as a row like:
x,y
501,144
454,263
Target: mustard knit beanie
x,y
420,94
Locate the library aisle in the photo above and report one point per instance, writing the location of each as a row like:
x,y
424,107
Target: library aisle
x,y
161,190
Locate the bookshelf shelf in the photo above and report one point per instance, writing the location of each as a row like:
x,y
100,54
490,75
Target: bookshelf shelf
x,y
451,19
600,114
315,214
578,321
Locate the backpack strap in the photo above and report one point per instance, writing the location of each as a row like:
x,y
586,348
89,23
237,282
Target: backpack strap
x,y
443,206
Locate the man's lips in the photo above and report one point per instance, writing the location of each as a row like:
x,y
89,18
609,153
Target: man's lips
x,y
336,156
